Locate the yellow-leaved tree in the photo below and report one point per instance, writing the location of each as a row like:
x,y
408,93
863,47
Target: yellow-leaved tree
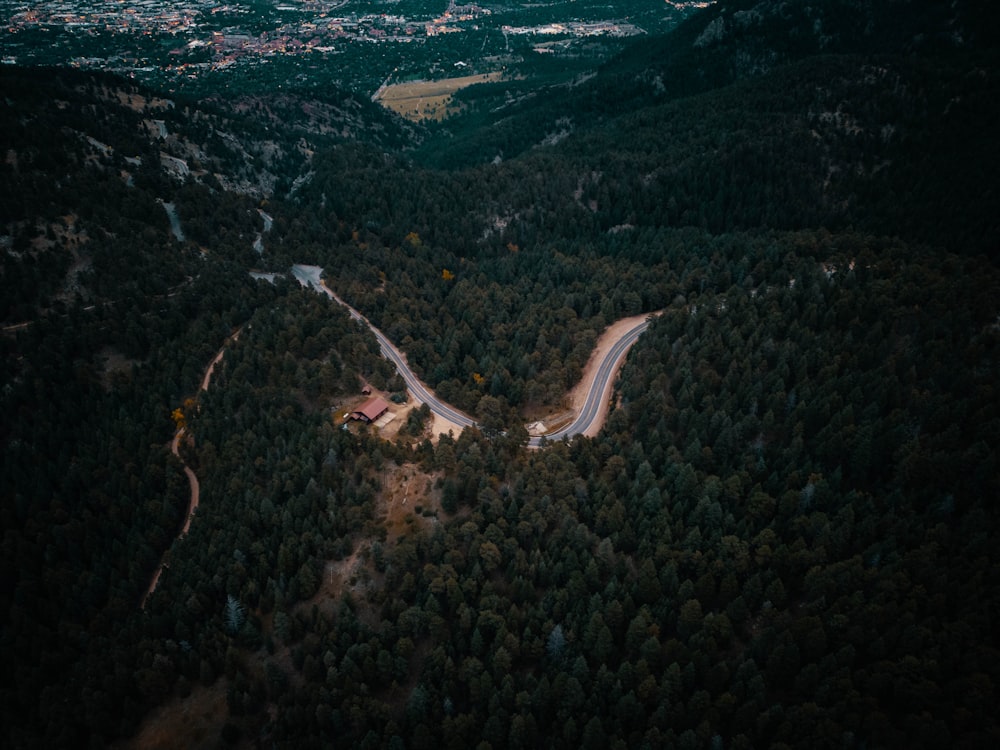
x,y
178,416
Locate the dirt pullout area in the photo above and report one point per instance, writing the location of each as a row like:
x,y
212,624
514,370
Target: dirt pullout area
x,y
441,426
577,397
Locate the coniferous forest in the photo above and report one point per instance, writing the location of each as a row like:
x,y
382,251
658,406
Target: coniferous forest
x,y
783,536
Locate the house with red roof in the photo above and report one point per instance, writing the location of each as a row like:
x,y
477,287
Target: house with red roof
x,y
371,410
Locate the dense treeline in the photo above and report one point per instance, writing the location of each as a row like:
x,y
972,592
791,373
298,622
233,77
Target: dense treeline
x,y
782,537
773,542
738,556
834,141
729,42
116,321
567,238
518,326
93,496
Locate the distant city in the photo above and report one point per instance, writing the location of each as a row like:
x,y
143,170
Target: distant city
x,y
183,39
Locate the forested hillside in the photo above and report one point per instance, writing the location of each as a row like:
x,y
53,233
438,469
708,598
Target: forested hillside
x,y
783,536
729,42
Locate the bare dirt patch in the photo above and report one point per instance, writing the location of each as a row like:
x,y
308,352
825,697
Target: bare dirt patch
x,y
339,574
137,102
70,237
441,426
410,501
193,722
428,100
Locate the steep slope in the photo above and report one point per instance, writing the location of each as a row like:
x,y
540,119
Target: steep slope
x,y
887,144
89,158
127,228
784,536
727,42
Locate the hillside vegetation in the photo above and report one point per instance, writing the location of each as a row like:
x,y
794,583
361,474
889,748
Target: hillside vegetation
x,y
782,537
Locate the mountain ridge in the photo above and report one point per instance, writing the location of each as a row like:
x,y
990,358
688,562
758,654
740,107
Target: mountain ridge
x,y
732,41
784,535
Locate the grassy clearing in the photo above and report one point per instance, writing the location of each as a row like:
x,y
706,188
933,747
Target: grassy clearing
x,y
428,100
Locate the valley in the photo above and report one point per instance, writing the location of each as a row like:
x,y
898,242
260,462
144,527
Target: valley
x,y
689,339
193,44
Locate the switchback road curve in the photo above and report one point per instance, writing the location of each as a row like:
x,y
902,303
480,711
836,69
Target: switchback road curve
x,y
589,416
600,390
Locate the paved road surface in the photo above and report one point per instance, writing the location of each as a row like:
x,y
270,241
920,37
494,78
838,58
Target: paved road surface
x,y
310,276
599,393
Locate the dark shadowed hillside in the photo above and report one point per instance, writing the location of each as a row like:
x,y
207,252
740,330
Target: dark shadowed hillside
x,y
727,43
783,535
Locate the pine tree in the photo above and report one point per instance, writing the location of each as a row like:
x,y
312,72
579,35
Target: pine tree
x,y
235,614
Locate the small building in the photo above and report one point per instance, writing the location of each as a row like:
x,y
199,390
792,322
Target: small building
x,y
366,391
371,410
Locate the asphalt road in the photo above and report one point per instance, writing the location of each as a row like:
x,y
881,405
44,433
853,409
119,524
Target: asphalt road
x,y
599,393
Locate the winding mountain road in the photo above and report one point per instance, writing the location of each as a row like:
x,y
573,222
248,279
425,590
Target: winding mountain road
x,y
311,276
593,412
589,419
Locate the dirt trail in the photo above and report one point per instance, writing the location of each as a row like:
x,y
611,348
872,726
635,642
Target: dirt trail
x,y
192,479
192,506
218,358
